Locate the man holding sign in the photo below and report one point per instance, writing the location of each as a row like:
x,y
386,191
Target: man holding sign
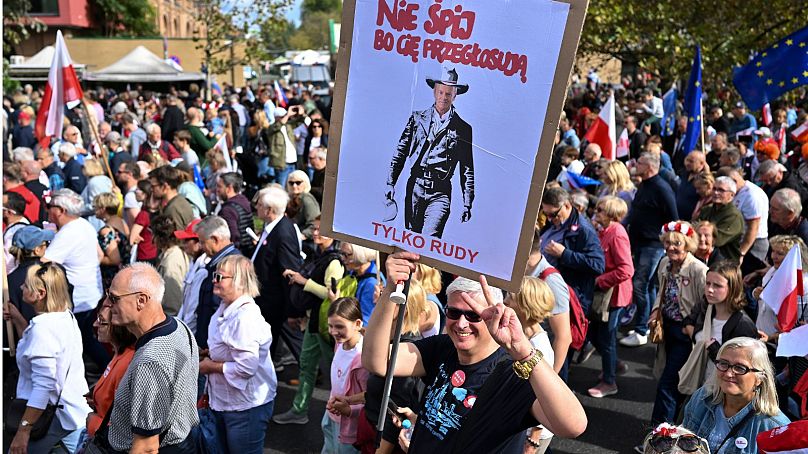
x,y
486,384
436,141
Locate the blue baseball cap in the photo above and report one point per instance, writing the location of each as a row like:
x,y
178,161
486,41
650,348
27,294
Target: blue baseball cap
x,y
30,236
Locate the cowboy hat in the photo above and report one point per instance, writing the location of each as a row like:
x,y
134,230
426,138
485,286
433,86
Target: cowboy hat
x,y
448,77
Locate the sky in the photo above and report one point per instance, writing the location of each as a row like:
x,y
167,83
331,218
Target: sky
x,y
294,12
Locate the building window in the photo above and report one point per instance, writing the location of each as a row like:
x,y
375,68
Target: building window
x,y
44,8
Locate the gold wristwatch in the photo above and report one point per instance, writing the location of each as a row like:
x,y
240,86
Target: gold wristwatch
x,y
523,368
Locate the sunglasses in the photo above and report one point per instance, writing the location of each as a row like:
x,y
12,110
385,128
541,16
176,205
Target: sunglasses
x,y
453,313
687,443
295,183
219,277
115,299
553,215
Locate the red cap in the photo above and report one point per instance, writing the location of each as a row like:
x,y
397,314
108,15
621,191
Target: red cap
x,y
188,233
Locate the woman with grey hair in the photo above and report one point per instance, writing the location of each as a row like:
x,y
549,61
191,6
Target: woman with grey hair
x,y
241,377
303,207
739,401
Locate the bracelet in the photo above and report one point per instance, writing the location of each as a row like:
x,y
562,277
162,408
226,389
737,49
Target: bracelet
x,y
532,442
523,368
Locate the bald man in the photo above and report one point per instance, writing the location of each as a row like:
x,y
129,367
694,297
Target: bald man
x,y
155,406
686,195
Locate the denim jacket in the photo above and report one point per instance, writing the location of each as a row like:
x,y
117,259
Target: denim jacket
x,y
700,418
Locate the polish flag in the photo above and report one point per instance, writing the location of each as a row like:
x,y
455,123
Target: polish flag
x,y
767,114
791,438
279,93
62,88
623,144
801,133
784,289
221,145
603,131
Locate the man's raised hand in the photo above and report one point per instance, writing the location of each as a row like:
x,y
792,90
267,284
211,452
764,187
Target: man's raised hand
x,y
501,321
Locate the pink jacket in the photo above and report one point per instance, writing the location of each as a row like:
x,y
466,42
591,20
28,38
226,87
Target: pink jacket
x,y
357,383
619,266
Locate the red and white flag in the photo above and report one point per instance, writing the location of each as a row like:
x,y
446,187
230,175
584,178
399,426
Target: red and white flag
x,y
221,145
767,114
62,88
623,144
801,133
603,131
784,289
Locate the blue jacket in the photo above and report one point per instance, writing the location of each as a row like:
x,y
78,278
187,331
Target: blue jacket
x,y
700,418
582,260
74,176
208,302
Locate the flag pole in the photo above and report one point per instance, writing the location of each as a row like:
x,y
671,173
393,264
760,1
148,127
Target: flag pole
x,y
94,131
7,300
399,298
701,115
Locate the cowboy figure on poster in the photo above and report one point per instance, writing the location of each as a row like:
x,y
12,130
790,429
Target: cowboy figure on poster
x,y
434,143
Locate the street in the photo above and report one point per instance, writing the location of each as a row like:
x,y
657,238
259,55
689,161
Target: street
x,y
616,423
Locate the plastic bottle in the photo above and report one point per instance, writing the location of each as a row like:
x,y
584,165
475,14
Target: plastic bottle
x,y
407,425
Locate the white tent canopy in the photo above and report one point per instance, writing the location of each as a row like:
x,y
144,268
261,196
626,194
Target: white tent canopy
x,y
141,65
36,68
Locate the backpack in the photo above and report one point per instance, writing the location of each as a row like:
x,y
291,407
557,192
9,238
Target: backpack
x,y
346,287
579,324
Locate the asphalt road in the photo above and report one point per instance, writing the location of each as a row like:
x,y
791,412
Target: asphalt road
x,y
616,423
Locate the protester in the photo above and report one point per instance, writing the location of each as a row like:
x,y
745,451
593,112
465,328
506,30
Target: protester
x,y
141,232
681,287
235,210
241,377
56,176
703,183
739,400
173,263
28,246
317,162
13,220
165,182
617,182
123,346
784,214
127,178
727,219
303,207
706,250
613,288
480,333
197,273
766,321
13,183
155,405
113,238
348,378
361,263
50,363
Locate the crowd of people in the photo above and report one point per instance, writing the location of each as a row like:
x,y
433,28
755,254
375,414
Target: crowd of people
x,y
174,273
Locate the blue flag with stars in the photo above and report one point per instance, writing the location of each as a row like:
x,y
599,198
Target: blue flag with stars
x,y
669,106
780,68
692,105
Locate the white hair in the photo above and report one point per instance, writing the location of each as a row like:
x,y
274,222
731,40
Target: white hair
x,y
212,226
20,154
465,285
69,201
67,149
729,182
152,128
275,199
145,278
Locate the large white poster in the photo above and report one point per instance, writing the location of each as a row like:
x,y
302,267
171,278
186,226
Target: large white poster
x,y
444,108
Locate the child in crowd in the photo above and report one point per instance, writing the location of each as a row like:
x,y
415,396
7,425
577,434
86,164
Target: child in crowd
x,y
348,378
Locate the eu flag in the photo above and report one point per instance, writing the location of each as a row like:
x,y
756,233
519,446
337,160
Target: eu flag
x,y
669,106
780,68
692,105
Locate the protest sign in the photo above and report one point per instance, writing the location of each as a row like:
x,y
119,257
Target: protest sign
x,y
443,125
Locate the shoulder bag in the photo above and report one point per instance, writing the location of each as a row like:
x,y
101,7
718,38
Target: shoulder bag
x,y
691,375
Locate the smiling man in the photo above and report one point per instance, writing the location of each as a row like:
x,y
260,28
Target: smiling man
x,y
727,219
483,377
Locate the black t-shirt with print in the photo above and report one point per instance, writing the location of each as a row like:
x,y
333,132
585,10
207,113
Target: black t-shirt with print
x,y
451,393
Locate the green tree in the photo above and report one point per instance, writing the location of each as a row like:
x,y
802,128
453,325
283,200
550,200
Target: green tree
x,y
275,36
660,36
313,32
125,17
17,26
322,6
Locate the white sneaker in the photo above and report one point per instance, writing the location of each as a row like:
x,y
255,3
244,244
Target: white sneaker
x,y
634,340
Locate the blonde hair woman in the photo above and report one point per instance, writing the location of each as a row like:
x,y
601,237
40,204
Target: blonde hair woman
x,y
533,304
49,357
303,207
617,182
113,236
430,280
97,182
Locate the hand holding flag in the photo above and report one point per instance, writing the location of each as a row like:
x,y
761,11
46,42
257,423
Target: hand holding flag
x,y
62,88
784,289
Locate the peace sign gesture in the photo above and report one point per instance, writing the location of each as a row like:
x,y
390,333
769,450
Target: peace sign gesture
x,y
501,321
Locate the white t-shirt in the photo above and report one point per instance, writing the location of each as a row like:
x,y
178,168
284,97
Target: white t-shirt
x,y
340,368
752,202
74,247
541,342
716,327
436,327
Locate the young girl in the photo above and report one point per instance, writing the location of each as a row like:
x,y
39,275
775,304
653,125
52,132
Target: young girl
x,y
533,304
348,378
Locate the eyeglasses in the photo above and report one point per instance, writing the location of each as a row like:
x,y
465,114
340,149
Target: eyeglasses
x,y
219,277
295,183
721,190
316,127
553,215
687,443
454,313
115,299
737,369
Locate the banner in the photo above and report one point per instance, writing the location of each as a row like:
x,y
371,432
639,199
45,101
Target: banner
x,y
443,125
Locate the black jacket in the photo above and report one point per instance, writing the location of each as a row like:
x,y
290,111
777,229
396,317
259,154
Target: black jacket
x,y
653,206
738,325
280,251
173,121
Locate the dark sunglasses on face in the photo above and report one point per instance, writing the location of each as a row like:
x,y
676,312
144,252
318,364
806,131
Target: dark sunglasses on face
x,y
295,183
454,313
553,215
219,277
687,443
